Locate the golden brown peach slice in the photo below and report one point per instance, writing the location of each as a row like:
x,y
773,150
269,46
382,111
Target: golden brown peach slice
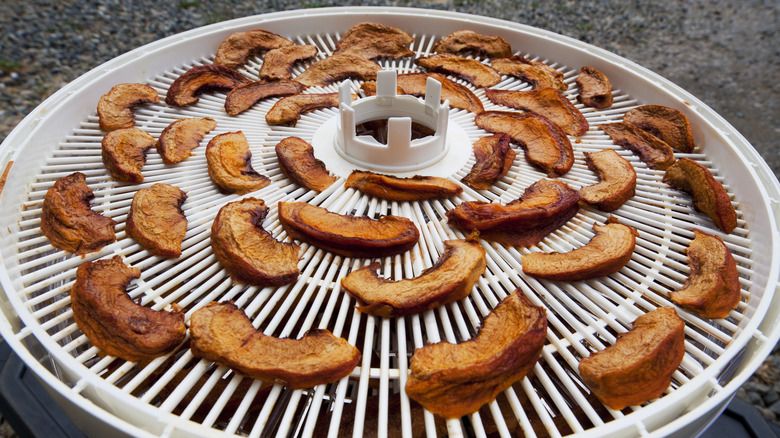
x,y
351,236
712,289
415,188
546,102
182,136
639,366
248,252
538,74
450,279
453,380
113,322
468,41
494,158
156,220
221,332
297,161
668,124
115,108
235,50
415,83
244,96
336,68
199,79
652,151
595,89
606,253
230,164
471,70
374,40
288,109
278,63
618,180
124,153
69,222
708,194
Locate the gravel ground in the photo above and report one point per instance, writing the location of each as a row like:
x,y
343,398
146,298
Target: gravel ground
x,y
723,52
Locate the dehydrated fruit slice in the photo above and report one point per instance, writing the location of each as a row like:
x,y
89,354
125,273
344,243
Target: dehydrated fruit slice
x,y
124,153
156,219
221,332
652,151
230,164
668,124
113,322
450,279
115,108
708,194
350,236
337,68
543,207
374,40
288,109
414,84
453,380
595,90
393,188
278,63
639,366
248,252
546,102
468,41
544,142
471,70
69,222
618,180
712,289
606,253
494,157
297,161
235,50
538,74
182,136
200,79
244,96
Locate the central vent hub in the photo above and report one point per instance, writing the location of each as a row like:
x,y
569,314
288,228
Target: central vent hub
x,y
401,153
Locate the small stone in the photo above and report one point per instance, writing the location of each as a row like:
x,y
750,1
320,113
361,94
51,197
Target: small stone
x,y
771,397
775,408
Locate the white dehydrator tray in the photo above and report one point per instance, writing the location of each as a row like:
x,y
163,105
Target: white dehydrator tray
x,y
107,395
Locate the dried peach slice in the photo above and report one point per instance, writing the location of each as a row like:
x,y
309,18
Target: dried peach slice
x,y
618,180
296,159
221,332
652,151
393,188
124,153
113,322
278,63
606,253
374,40
114,108
336,68
453,380
156,220
708,194
668,124
351,236
471,70
639,366
538,74
69,222
595,90
543,207
544,142
414,84
230,164
182,136
199,79
450,279
467,41
493,157
244,96
288,110
546,102
712,289
235,50
248,252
